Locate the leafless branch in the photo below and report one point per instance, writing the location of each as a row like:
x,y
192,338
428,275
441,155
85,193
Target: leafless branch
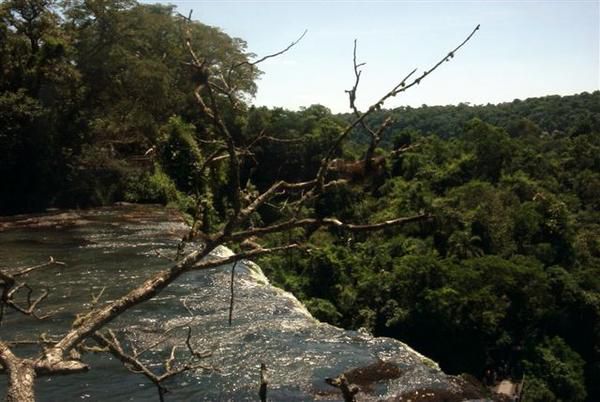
x,y
325,222
374,134
401,87
26,270
170,367
262,136
352,92
61,357
96,298
9,288
270,56
196,353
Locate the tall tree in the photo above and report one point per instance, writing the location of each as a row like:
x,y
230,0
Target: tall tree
x,y
217,92
39,88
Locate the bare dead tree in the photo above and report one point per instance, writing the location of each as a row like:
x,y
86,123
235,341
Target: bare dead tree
x,y
171,367
215,85
376,135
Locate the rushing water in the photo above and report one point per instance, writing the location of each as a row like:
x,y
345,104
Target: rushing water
x,y
109,250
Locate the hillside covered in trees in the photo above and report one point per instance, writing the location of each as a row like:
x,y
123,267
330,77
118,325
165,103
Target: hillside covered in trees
x,y
97,106
505,274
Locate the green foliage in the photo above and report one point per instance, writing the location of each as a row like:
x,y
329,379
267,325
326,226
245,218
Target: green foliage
x,y
537,390
180,155
340,201
308,135
491,147
508,263
154,188
550,115
97,106
556,373
323,310
85,87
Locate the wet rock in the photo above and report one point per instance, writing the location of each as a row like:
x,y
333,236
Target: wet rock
x,y
379,371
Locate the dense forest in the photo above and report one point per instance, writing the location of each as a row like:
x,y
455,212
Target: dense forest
x,y
506,273
96,105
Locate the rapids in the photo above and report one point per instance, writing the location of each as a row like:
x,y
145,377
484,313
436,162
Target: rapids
x,y
115,248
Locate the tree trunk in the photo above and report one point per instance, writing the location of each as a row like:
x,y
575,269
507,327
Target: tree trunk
x,y
21,377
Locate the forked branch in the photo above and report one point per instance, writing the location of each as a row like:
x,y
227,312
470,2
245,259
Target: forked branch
x,y
170,367
10,287
58,357
401,87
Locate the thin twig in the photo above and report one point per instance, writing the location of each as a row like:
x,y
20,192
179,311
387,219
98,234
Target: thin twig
x,y
269,56
231,301
401,87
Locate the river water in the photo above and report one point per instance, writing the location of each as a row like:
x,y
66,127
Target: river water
x,y
109,250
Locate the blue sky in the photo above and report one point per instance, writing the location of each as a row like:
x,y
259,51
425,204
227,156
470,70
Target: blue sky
x,y
524,48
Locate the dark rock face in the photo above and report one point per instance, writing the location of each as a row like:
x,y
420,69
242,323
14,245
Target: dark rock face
x,y
455,389
379,371
463,391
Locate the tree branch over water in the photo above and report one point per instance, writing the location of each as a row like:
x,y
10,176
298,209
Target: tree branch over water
x,y
10,289
211,97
